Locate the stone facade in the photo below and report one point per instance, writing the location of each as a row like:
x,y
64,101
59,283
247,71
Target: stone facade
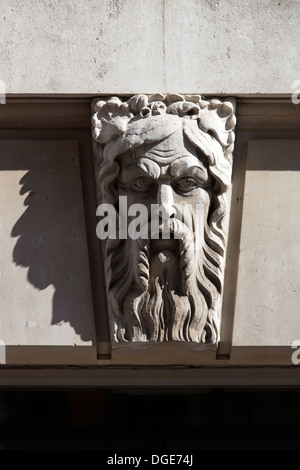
x,y
66,298
132,46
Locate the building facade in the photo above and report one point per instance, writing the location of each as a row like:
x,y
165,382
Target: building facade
x,y
88,87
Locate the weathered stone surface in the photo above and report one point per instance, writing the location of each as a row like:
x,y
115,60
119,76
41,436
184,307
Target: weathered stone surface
x,y
46,310
126,46
169,162
268,290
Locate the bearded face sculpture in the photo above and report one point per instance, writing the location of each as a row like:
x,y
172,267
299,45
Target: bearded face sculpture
x,y
171,155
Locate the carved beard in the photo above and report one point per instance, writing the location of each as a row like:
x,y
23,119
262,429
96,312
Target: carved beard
x,y
164,290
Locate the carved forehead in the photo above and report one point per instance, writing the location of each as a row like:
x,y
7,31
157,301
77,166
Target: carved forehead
x,y
162,153
172,156
167,150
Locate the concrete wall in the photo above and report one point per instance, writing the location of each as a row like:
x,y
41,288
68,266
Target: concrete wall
x,y
130,46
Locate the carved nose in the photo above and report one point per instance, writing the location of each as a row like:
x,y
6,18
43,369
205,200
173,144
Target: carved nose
x,y
166,201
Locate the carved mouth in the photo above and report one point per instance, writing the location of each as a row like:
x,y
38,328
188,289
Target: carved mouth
x,y
164,265
162,245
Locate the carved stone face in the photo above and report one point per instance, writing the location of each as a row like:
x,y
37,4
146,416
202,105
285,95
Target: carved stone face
x,y
173,180
170,177
169,159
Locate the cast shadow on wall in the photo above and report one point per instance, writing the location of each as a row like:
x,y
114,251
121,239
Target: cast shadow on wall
x,y
51,241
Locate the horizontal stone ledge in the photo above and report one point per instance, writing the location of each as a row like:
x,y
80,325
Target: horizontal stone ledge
x,y
186,378
49,355
55,111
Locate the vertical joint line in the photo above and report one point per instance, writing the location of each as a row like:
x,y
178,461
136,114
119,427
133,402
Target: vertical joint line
x,y
164,44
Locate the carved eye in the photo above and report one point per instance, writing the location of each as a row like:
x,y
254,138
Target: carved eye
x,y
186,184
142,184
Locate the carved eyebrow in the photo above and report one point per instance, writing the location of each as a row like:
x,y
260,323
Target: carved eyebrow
x,y
141,167
132,172
192,169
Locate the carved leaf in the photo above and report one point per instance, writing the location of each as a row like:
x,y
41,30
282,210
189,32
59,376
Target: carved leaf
x,y
112,129
218,118
137,102
156,97
184,109
194,98
173,97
